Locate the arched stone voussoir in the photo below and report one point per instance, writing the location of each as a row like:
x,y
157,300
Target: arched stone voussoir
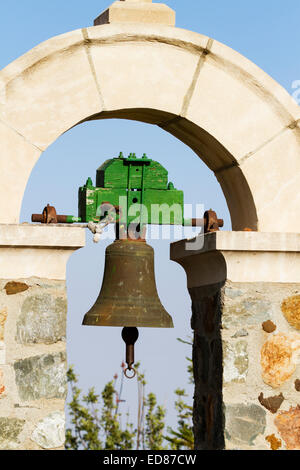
x,y
238,103
143,69
17,159
49,90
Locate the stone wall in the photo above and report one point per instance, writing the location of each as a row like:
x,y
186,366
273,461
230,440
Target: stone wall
x,y
32,363
246,360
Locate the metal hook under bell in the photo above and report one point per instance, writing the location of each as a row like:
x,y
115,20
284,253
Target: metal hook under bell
x,y
130,336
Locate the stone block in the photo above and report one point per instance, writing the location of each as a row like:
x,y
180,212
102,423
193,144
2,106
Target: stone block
x,y
18,159
41,377
244,423
53,90
271,403
269,160
240,334
3,318
244,97
279,358
246,312
50,431
10,430
137,11
235,361
233,292
268,326
160,67
31,251
13,288
2,385
42,320
275,443
288,424
291,310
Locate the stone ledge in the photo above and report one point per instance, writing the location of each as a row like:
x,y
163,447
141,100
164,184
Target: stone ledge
x,y
45,236
239,257
238,241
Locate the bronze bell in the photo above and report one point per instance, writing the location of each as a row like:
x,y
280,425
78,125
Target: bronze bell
x,y
128,297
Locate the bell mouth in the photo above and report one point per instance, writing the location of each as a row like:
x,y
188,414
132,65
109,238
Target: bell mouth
x,y
129,313
128,325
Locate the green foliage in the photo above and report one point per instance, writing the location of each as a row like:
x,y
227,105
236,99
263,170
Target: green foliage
x,y
182,437
97,423
91,430
155,424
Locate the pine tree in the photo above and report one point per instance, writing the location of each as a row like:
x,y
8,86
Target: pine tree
x,y
96,422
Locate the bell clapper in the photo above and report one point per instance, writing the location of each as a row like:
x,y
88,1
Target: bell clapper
x,y
130,336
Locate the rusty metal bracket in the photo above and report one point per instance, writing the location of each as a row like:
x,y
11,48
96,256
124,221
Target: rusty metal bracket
x,y
211,222
49,216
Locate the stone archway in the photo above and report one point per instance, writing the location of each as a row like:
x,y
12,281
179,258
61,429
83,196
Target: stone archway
x,y
242,124
236,118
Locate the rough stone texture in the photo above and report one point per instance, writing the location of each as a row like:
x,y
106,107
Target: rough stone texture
x,y
13,288
239,347
2,385
278,358
50,431
233,292
41,377
241,303
244,423
246,311
288,424
240,334
235,361
33,368
42,320
10,430
291,310
274,442
269,327
3,318
271,403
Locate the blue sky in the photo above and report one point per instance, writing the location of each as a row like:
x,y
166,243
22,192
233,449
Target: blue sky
x,y
265,31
